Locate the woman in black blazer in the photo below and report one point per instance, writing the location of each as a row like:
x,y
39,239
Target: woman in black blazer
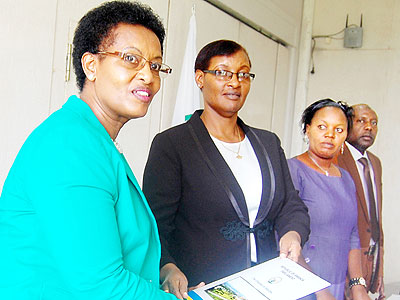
x,y
218,188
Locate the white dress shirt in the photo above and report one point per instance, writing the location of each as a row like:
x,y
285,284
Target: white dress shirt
x,y
356,156
247,172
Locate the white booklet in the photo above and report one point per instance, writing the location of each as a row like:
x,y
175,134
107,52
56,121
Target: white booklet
x,y
276,279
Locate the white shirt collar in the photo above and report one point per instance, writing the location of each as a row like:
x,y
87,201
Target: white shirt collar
x,y
355,153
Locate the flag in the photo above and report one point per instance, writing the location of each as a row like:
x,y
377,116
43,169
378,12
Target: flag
x,y
188,96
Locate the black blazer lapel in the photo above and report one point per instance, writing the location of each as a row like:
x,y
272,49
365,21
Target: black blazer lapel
x,y
218,166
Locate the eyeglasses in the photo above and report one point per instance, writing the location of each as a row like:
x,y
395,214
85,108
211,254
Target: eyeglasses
x,y
227,75
137,62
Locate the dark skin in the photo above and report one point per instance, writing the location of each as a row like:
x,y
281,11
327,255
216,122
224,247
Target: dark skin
x,y
327,133
222,102
365,128
362,136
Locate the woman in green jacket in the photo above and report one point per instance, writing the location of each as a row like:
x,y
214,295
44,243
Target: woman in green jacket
x,y
74,223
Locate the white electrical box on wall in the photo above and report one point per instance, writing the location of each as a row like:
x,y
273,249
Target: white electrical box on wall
x,y
353,37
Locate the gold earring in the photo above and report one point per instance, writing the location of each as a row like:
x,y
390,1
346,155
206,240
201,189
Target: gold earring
x,y
342,149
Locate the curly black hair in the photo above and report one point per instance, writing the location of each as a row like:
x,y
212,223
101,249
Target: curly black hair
x,y
310,111
97,25
216,48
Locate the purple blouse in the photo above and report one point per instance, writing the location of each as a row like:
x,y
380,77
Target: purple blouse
x,y
332,207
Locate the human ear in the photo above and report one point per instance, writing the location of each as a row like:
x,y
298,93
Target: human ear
x,y
199,77
88,62
307,130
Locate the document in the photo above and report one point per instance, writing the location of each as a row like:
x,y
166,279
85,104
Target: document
x,y
276,279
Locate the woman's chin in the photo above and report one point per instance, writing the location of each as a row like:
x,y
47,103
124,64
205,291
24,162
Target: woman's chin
x,y
137,111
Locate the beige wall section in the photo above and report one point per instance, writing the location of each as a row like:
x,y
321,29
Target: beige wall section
x,y
271,81
212,24
33,47
281,18
283,97
371,75
257,111
26,51
33,84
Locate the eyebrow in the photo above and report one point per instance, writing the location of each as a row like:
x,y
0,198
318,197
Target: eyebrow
x,y
226,66
365,117
140,52
326,122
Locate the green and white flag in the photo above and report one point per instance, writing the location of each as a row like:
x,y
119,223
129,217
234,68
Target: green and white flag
x,y
188,95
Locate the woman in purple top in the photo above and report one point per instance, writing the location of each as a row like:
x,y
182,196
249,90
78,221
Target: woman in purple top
x,y
333,248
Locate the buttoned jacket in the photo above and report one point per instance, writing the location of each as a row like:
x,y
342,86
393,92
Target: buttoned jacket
x,y
74,223
201,210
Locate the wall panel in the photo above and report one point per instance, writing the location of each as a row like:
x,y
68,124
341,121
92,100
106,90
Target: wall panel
x,y
34,47
257,110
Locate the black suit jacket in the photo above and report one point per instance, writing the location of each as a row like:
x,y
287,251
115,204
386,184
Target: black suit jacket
x,y
201,210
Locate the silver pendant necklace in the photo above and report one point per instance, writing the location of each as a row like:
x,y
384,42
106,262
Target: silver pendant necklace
x,y
315,162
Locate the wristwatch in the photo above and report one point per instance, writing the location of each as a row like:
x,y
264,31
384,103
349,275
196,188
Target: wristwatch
x,y
357,281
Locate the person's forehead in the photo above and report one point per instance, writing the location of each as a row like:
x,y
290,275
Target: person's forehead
x,y
239,55
364,111
123,33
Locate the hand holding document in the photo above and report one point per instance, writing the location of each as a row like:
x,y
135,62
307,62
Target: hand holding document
x,y
276,279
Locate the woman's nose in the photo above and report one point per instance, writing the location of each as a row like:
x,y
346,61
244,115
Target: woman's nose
x,y
234,81
330,133
145,73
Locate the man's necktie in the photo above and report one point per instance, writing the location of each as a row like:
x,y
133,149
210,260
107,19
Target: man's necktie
x,y
371,198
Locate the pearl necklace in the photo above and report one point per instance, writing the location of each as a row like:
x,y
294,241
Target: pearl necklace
x,y
238,156
315,162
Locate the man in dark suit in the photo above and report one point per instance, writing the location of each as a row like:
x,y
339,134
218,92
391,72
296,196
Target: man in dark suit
x,y
366,170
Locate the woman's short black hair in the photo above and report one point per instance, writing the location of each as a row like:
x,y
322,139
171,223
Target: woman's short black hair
x,y
310,111
216,48
97,25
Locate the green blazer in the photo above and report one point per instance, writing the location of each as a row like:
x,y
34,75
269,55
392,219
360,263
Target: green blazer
x,y
74,223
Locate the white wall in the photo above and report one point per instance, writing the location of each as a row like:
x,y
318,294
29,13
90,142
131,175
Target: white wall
x,y
26,70
33,46
32,57
280,18
34,43
369,75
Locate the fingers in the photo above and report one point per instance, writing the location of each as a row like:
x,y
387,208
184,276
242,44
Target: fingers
x,y
291,250
174,281
165,288
283,253
176,285
197,286
295,252
183,288
174,291
290,246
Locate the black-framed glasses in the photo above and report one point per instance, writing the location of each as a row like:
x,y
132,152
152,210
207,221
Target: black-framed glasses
x,y
227,75
137,62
